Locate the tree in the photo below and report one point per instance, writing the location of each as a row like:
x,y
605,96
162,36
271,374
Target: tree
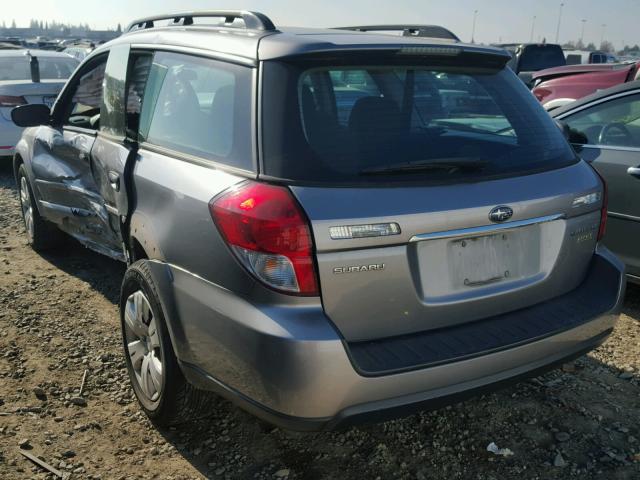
x,y
607,46
591,47
580,45
119,29
13,24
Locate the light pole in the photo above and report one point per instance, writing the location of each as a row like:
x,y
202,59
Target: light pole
x,y
604,27
473,29
559,20
582,33
533,27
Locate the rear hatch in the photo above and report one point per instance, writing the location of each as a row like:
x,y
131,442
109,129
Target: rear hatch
x,y
438,190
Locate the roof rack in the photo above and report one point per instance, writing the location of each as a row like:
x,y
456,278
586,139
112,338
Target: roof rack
x,y
431,31
252,20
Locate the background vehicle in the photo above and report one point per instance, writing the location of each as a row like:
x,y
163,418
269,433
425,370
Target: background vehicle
x,y
605,130
559,86
79,51
577,57
527,58
400,224
28,76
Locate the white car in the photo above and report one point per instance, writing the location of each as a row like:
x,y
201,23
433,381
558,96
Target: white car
x,y
28,76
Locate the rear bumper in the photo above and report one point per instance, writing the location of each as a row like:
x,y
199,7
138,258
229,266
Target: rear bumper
x,y
289,366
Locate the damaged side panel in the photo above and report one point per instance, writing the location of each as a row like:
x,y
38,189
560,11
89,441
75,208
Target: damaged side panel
x,y
70,197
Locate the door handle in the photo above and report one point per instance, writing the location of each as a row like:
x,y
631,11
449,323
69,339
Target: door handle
x,y
114,180
634,171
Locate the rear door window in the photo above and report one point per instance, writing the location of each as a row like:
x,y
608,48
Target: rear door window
x,y
199,107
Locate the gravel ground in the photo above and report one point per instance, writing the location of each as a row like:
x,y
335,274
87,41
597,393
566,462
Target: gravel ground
x,y
58,319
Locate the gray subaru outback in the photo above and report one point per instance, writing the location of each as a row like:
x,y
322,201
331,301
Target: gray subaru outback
x,y
323,226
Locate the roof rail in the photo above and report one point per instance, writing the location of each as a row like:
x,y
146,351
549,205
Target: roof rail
x,y
252,20
431,31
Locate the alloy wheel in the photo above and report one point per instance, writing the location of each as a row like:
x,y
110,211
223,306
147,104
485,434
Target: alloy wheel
x,y
143,345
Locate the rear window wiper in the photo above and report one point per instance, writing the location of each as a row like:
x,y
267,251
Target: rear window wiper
x,y
452,165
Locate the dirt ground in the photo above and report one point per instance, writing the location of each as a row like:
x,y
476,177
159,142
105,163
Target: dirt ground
x,y
58,318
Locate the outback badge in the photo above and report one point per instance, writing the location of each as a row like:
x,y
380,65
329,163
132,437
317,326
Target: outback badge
x,y
500,214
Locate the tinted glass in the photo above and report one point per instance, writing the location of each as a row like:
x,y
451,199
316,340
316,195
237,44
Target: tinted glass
x,y
539,57
112,119
347,122
200,107
614,123
18,68
139,73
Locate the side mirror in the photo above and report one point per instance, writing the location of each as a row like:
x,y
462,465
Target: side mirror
x,y
31,115
564,128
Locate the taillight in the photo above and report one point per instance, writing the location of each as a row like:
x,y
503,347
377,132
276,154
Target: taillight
x,y
10,101
604,211
269,233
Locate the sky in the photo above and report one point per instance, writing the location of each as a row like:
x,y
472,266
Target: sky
x,y
497,20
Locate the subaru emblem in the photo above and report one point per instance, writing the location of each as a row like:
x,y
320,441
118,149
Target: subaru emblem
x,y
500,214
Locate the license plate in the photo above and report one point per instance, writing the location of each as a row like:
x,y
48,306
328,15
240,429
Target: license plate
x,y
479,261
49,100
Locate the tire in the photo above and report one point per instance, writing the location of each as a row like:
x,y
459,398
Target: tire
x,y
41,234
158,383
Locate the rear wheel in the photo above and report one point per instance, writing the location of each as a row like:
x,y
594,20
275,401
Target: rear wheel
x,y
161,389
41,234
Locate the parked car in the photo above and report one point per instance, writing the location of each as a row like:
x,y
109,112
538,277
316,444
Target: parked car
x,y
556,87
577,57
79,51
527,58
28,76
315,226
605,131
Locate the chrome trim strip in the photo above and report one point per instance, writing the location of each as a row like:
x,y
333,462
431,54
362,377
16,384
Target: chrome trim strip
x,y
595,102
111,209
607,147
486,229
623,216
201,52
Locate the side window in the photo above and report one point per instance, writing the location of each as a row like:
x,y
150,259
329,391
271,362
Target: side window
x,y
200,107
84,108
613,123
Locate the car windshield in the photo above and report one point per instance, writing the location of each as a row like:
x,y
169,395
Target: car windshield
x,y
347,123
51,68
539,57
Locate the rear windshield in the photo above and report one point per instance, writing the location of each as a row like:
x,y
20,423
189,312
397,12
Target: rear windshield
x,y
19,68
364,124
539,57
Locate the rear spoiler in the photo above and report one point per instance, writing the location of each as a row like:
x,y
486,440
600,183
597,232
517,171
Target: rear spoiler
x,y
449,54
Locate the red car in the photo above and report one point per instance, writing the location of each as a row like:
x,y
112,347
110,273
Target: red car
x,y
555,87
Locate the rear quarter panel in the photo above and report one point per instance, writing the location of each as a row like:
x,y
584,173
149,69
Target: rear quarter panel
x,y
171,219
